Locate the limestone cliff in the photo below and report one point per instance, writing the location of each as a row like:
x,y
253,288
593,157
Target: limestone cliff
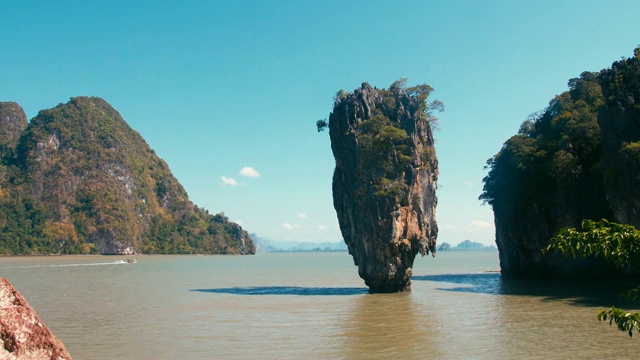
x,y
23,335
384,184
12,122
619,120
578,159
81,180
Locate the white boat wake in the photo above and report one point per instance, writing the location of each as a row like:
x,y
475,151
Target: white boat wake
x,y
118,262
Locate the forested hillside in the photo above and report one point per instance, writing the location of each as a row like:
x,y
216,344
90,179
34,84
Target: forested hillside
x,y
78,179
577,159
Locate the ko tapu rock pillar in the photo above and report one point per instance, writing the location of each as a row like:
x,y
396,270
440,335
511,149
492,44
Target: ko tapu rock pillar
x,y
385,180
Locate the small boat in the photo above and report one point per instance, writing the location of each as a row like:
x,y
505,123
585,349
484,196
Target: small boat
x,y
131,261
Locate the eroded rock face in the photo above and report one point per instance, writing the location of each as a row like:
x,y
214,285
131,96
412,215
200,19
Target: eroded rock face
x,y
13,121
78,179
384,184
23,335
579,159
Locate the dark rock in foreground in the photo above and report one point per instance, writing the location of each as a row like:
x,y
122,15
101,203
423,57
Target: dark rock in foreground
x,y
23,335
385,181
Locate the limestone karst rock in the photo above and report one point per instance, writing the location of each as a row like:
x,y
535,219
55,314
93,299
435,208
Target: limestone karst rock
x,y
384,184
619,120
23,335
13,121
578,159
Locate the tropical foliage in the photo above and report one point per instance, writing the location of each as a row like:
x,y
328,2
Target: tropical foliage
x,y
552,148
618,244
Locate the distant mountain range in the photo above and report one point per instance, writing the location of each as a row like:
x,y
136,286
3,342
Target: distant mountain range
x,y
466,245
264,245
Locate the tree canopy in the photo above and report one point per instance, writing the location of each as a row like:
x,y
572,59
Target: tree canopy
x,y
551,149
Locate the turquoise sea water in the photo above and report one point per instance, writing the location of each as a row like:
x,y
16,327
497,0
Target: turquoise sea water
x,y
310,306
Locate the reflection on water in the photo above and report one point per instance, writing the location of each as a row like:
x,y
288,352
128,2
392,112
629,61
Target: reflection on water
x,y
485,283
495,318
580,293
311,306
118,262
388,326
287,290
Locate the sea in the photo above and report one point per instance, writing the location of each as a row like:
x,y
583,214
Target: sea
x,y
312,306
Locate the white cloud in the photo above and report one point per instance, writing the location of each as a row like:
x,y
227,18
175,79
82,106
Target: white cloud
x,y
481,224
301,216
249,172
447,227
321,227
289,226
229,181
239,222
468,183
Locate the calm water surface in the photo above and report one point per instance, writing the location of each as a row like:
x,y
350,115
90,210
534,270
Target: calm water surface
x,y
310,306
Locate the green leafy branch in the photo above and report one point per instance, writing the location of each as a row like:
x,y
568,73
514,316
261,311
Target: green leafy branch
x,y
626,322
619,245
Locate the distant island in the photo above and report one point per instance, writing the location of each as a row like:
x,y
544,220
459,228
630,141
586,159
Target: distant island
x,y
264,245
77,179
465,246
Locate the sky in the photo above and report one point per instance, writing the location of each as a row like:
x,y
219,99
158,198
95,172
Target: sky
x,y
228,92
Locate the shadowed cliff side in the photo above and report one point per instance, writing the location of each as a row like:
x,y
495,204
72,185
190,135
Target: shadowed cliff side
x,y
385,179
577,159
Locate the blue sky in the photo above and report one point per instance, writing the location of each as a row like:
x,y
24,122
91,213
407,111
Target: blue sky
x,y
216,87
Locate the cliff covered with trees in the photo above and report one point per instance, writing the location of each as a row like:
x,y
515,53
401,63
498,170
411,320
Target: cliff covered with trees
x,y
78,180
577,159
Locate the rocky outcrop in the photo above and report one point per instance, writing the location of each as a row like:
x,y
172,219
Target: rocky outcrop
x,y
578,159
384,184
12,122
522,234
619,120
23,335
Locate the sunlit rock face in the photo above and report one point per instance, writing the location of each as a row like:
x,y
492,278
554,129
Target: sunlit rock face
x,y
13,121
384,184
23,335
